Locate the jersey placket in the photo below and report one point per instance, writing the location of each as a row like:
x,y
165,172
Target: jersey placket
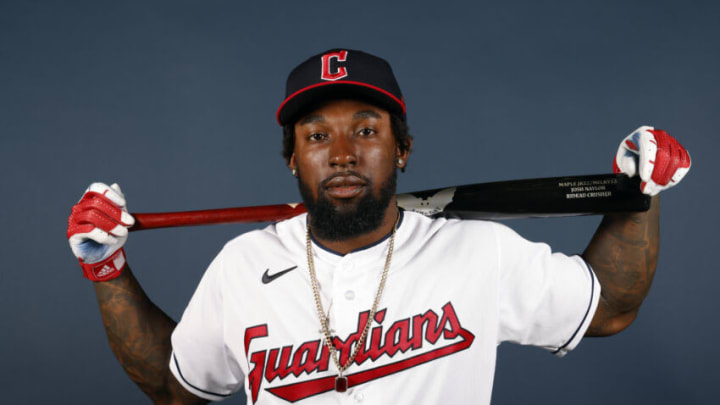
x,y
355,284
344,296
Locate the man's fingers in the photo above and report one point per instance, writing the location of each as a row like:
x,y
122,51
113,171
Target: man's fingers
x,y
92,200
126,218
679,174
75,229
116,189
647,153
112,193
99,219
673,157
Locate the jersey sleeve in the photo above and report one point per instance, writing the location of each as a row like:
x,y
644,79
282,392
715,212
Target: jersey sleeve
x,y
200,360
545,299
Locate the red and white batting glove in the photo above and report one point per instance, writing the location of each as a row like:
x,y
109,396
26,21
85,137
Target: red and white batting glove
x,y
658,158
97,230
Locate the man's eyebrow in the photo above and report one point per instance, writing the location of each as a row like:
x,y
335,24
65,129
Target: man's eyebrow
x,y
311,119
367,114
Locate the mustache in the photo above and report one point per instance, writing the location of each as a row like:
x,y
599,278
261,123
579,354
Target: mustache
x,y
347,173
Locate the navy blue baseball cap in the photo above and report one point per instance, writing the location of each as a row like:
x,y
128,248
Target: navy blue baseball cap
x,y
340,73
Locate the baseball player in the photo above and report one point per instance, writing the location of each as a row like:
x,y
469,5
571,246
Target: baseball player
x,y
357,301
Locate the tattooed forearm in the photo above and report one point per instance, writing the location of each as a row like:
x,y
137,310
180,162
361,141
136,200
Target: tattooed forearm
x,y
623,253
139,335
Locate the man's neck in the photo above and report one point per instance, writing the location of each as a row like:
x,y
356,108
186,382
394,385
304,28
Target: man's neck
x,y
346,246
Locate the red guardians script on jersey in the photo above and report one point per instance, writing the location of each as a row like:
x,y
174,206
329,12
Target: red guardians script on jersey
x,y
430,335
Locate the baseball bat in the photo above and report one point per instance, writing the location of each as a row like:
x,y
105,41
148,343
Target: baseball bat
x,y
529,198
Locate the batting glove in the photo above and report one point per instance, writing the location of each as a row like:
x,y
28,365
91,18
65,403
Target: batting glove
x,y
97,230
658,158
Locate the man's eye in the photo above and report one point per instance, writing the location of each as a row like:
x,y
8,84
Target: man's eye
x,y
317,136
366,131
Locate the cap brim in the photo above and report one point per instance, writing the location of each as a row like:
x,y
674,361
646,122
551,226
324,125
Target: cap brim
x,y
305,100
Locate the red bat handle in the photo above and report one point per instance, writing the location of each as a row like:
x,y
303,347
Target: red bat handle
x,y
265,213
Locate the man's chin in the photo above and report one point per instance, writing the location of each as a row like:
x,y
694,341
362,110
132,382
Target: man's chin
x,y
347,211
333,218
344,204
342,219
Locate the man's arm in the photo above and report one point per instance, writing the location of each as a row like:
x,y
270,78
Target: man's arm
x,y
623,253
138,331
139,335
624,250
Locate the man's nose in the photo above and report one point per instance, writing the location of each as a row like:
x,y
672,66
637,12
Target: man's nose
x,y
342,152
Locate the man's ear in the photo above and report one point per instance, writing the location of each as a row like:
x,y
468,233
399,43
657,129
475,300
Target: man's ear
x,y
402,156
292,165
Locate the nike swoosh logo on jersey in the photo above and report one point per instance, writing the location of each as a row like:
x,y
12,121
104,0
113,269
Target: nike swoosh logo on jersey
x,y
266,277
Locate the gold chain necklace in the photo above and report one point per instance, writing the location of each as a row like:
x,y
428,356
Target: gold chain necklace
x,y
341,383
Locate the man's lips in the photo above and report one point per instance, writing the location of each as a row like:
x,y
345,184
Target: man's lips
x,y
344,186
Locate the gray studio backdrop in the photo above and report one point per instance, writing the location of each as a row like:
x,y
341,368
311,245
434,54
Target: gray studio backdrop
x,y
176,101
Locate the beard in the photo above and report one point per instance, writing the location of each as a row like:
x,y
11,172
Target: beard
x,y
347,220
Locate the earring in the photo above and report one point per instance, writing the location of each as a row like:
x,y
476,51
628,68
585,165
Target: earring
x,y
400,162
294,172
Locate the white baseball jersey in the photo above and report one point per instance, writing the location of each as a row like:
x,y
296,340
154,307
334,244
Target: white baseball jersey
x,y
455,290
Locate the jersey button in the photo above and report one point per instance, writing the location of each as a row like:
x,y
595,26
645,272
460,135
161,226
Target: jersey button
x,y
349,295
359,397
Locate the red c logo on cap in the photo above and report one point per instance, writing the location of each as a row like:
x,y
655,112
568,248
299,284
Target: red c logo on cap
x,y
341,71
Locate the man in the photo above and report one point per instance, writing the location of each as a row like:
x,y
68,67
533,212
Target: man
x,y
357,300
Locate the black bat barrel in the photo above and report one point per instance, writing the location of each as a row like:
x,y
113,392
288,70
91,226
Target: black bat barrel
x,y
545,197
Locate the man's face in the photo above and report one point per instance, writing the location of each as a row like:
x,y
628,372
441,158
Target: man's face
x,y
345,155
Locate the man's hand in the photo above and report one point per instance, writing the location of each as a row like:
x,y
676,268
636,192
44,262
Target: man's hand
x,y
659,160
97,230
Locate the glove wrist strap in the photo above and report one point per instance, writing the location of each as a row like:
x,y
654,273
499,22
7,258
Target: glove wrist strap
x,y
107,269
